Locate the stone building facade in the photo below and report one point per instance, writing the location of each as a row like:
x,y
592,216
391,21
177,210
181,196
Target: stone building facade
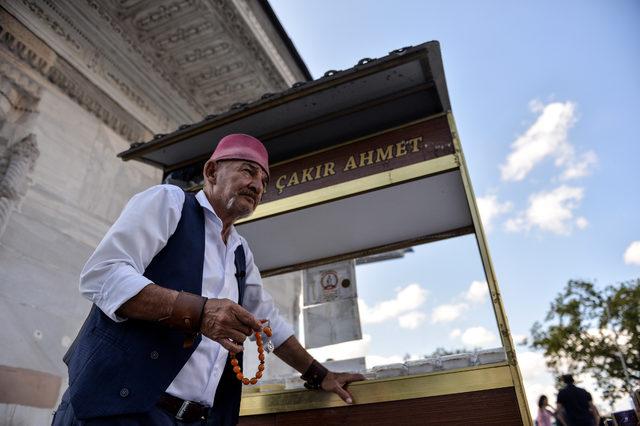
x,y
80,82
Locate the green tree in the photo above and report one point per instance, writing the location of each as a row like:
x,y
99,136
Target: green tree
x,y
595,332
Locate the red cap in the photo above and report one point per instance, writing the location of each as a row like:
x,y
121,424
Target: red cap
x,y
242,147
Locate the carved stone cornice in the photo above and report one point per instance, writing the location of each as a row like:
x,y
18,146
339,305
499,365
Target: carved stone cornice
x,y
23,47
23,92
80,36
205,47
166,62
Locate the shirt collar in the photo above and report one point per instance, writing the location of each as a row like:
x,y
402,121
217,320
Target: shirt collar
x,y
204,202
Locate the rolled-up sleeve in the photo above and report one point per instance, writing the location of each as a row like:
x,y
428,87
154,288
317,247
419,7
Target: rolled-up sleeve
x,y
260,303
113,273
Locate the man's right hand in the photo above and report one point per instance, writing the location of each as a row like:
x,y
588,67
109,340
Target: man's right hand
x,y
228,323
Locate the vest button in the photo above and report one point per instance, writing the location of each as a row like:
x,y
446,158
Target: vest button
x,y
124,392
154,355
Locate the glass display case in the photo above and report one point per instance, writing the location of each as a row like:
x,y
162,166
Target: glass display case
x,y
399,313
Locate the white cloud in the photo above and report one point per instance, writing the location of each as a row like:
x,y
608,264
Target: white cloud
x,y
577,168
447,312
582,222
490,208
632,254
478,292
532,364
550,211
548,138
412,320
478,337
407,299
536,105
456,332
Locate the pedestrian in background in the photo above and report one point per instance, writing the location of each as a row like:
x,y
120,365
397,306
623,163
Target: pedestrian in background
x,y
575,405
546,413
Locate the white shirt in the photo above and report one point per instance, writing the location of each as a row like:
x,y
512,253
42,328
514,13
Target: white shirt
x,y
113,275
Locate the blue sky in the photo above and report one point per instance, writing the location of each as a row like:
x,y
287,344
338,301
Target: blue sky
x,y
562,79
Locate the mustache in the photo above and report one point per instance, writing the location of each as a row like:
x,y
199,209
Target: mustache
x,y
250,193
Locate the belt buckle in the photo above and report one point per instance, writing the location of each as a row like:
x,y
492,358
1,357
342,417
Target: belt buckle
x,y
183,409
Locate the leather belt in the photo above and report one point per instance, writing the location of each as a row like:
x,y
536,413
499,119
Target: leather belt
x,y
186,411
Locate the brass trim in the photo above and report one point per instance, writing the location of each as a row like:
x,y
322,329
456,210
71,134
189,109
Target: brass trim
x,y
195,160
319,151
492,282
352,187
470,379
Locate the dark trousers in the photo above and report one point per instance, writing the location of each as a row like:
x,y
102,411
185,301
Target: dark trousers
x,y
65,416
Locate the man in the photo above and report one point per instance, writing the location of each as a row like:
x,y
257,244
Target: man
x,y
575,405
164,281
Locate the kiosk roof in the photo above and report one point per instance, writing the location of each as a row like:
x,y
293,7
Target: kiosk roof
x,y
375,94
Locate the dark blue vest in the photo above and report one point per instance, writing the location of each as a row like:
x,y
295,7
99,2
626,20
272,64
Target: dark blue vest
x,y
119,368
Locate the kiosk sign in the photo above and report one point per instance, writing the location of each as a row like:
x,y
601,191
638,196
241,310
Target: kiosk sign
x,y
412,144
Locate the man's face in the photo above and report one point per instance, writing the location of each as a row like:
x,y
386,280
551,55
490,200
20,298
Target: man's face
x,y
237,188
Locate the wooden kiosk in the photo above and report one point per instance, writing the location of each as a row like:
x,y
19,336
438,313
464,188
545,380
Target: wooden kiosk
x,y
365,161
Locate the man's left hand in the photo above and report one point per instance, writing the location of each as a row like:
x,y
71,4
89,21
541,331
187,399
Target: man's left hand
x,y
337,383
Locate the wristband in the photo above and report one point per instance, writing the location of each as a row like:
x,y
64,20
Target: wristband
x,y
186,315
314,375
